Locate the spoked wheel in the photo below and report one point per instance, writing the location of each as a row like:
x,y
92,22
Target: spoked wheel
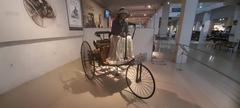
x,y
140,81
87,60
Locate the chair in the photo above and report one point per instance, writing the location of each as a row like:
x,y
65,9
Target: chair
x,y
231,45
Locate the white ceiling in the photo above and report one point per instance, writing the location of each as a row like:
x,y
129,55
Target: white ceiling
x,y
138,8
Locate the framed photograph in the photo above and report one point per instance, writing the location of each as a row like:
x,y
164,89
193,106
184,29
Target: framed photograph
x,y
74,13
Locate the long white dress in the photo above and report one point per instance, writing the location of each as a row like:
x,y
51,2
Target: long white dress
x,y
117,49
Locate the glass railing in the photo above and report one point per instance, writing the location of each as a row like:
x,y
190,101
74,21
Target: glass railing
x,y
216,72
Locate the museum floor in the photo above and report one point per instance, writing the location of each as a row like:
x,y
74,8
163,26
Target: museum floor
x,y
177,86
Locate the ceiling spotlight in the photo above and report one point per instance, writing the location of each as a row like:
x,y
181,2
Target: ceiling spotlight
x,y
168,3
144,14
149,6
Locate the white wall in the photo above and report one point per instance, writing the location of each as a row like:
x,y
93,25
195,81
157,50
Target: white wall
x,y
17,25
143,42
22,62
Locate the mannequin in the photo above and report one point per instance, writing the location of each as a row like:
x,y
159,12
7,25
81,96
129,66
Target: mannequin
x,y
117,41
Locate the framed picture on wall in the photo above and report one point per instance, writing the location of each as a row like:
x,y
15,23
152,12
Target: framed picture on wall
x,y
74,14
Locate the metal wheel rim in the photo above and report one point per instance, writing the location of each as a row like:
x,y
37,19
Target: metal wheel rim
x,y
86,60
144,89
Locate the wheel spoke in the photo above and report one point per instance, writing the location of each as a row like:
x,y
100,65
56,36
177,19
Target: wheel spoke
x,y
146,87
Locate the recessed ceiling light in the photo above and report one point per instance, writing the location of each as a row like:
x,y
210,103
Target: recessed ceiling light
x,y
149,6
144,14
168,3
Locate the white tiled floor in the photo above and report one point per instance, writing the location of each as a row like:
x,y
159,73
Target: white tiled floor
x,y
190,85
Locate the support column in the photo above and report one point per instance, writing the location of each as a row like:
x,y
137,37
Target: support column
x,y
150,23
206,26
164,20
184,32
236,27
156,21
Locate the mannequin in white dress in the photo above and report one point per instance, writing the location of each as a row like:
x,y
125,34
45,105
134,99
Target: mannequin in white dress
x,y
117,41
